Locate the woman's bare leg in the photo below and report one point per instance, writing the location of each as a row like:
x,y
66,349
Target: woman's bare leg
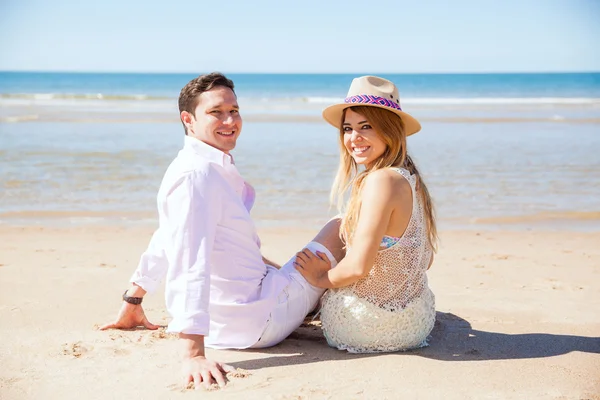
x,y
329,236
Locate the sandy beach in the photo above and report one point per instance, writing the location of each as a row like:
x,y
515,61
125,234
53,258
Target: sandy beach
x,y
517,318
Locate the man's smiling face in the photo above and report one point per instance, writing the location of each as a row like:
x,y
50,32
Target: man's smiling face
x,y
216,120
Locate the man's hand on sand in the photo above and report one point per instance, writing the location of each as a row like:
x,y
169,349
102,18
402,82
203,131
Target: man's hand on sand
x,y
204,372
130,316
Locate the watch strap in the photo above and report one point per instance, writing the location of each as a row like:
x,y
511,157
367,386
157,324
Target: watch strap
x,y
131,299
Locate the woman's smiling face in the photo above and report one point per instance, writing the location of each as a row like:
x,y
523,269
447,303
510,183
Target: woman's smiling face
x,y
360,139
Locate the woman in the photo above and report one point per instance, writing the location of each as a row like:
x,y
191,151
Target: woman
x,y
379,298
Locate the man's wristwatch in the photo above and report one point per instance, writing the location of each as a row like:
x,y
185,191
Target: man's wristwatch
x,y
132,300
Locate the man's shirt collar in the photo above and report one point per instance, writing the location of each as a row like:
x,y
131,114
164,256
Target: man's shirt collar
x,y
207,151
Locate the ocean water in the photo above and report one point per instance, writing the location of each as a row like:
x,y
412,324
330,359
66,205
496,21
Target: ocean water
x,y
310,86
516,151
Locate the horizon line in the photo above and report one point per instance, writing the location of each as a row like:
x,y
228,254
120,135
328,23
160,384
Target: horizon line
x,y
301,73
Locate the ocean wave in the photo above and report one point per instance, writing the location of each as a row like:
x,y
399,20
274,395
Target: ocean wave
x,y
505,101
123,118
442,101
541,217
321,100
20,118
324,100
79,96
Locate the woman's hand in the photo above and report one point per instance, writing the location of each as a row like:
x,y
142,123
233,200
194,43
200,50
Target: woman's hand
x,y
313,267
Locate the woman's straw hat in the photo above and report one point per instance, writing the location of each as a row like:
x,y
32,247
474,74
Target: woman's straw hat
x,y
375,92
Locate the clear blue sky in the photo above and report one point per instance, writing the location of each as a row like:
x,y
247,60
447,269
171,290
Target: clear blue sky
x,y
303,36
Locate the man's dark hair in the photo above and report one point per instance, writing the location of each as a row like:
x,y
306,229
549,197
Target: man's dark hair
x,y
188,97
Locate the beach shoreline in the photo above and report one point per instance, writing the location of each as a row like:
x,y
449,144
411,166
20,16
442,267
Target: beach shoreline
x,y
515,320
570,221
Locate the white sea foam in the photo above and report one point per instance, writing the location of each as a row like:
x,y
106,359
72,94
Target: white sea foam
x,y
434,101
504,101
79,96
441,101
324,100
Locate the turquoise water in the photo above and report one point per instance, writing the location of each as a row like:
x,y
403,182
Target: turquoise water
x,y
517,151
450,86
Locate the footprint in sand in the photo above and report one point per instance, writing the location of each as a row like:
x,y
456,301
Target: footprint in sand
x,y
239,373
121,352
119,342
76,349
163,334
141,337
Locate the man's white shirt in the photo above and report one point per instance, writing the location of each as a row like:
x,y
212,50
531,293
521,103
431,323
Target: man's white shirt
x,y
207,247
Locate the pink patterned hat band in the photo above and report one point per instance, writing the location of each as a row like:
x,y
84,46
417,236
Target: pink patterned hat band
x,y
374,100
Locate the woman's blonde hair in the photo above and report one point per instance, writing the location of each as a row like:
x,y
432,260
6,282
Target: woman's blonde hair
x,y
390,128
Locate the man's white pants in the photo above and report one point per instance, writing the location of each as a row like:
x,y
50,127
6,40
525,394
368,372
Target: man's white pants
x,y
294,303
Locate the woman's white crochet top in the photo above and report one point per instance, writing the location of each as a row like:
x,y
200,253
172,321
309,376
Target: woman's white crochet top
x,y
392,308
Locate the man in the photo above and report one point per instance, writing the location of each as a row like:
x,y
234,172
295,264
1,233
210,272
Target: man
x,y
208,249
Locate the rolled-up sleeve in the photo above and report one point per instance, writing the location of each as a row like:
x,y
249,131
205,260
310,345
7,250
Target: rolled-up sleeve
x,y
192,211
153,265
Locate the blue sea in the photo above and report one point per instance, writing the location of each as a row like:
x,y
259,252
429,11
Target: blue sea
x,y
509,151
